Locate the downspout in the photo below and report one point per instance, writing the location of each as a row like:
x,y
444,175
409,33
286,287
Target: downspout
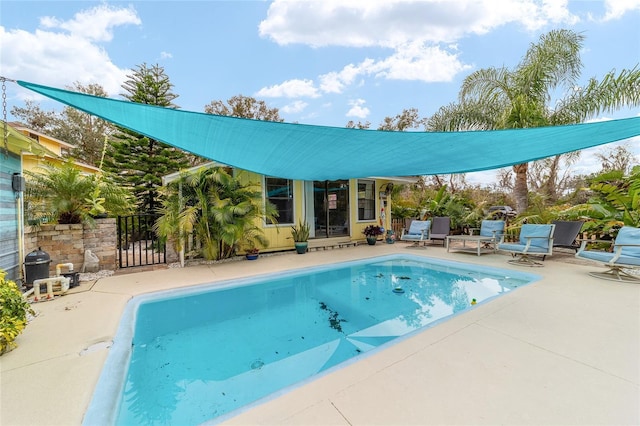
x,y
20,221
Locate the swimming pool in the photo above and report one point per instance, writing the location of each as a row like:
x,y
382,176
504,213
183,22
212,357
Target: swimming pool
x,y
190,355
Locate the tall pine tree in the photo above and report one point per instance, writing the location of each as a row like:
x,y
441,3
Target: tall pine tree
x,y
139,161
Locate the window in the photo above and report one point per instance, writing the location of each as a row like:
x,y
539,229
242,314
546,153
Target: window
x,y
280,193
366,200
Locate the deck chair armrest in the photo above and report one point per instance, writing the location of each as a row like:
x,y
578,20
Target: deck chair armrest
x,y
531,238
405,232
584,242
617,251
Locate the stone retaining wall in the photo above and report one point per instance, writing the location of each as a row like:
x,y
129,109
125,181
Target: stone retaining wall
x,y
67,243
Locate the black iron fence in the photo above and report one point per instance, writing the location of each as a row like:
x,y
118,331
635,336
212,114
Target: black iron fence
x,y
138,245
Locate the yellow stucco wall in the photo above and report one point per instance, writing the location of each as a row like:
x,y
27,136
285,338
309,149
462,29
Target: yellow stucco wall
x,y
280,236
32,162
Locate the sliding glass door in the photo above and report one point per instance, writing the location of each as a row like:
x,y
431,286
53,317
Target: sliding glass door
x,y
330,208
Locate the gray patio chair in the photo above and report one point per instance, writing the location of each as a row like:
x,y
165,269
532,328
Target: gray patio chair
x,y
624,257
440,228
566,234
533,240
418,232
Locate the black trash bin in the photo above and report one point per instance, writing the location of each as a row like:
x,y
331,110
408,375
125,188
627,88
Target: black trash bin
x,y
36,266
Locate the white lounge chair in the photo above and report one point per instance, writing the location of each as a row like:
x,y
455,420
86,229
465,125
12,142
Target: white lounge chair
x,y
418,232
534,240
625,255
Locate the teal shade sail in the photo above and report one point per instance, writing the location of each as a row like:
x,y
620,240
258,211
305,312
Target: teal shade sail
x,y
308,152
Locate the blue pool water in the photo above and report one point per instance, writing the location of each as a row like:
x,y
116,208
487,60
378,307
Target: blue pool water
x,y
191,355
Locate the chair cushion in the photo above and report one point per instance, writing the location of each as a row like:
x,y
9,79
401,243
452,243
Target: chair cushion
x,y
530,230
605,257
629,235
417,226
488,227
519,248
412,237
513,247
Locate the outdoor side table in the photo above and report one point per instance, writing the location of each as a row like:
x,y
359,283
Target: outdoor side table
x,y
476,243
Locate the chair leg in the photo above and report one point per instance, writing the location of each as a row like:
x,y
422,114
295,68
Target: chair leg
x,y
416,244
616,273
524,260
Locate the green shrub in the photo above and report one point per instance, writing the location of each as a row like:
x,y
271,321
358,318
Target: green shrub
x,y
13,313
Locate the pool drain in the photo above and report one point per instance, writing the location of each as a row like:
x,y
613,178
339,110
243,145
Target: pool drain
x,y
257,364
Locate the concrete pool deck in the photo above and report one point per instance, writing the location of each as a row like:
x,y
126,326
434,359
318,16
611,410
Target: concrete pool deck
x,y
564,350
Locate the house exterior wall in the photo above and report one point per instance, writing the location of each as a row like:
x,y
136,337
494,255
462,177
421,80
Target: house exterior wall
x,y
33,162
9,227
280,236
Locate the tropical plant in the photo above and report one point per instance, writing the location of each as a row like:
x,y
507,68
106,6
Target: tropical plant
x,y
63,194
443,203
300,233
499,98
13,313
223,211
615,202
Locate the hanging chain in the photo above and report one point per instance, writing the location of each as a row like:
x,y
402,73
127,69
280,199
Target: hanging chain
x,y
4,118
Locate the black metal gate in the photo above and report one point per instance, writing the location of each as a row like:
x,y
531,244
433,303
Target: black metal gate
x,y
138,245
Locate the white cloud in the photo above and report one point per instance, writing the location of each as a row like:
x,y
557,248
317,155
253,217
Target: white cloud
x,y
420,35
63,52
417,62
615,9
94,24
165,55
290,89
335,82
391,23
295,107
358,109
412,61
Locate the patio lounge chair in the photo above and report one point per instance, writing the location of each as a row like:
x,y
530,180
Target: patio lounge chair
x,y
566,234
625,255
440,228
418,231
490,230
534,239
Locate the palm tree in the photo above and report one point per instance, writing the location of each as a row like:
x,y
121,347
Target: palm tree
x,y
223,211
500,98
64,194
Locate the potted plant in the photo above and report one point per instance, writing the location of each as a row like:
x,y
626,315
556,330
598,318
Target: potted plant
x,y
391,237
300,235
252,253
372,232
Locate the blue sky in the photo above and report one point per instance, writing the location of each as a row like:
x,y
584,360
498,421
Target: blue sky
x,y
319,62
